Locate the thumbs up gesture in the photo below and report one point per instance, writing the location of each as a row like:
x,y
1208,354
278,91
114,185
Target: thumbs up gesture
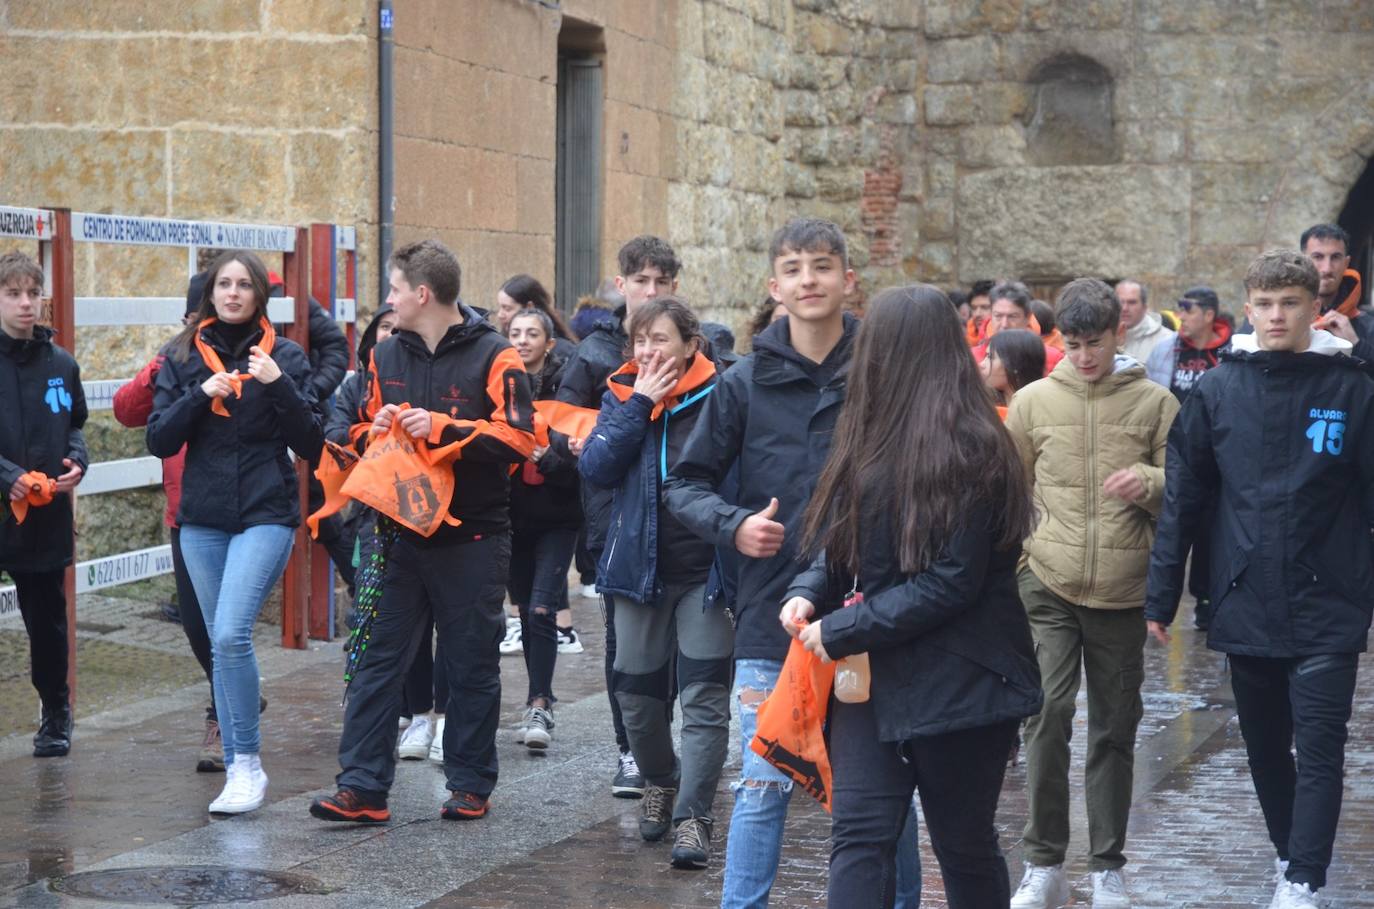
x,y
760,537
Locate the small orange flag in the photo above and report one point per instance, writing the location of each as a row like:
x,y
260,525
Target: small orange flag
x,y
573,421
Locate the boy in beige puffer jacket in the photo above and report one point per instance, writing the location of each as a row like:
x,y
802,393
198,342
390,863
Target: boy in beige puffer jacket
x,y
1092,436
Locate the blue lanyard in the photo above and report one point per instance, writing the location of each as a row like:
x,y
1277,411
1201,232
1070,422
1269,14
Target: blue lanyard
x,y
663,446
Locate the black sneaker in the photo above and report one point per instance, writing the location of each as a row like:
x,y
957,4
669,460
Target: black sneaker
x,y
692,843
656,814
1202,614
54,738
628,782
352,806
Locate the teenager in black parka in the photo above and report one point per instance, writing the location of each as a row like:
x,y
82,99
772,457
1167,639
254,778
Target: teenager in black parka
x,y
42,410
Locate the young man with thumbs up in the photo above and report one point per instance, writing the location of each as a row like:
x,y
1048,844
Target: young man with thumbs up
x,y
771,418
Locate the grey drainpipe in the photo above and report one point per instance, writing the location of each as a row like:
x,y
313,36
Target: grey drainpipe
x,y
386,178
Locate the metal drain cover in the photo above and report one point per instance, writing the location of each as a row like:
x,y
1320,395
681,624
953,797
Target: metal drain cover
x,y
186,885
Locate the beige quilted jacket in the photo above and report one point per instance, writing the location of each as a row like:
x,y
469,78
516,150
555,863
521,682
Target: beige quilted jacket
x,y
1090,548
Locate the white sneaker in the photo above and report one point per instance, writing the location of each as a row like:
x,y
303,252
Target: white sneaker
x,y
231,781
589,591
436,747
538,728
1288,895
402,723
245,789
512,643
1109,890
417,738
1042,887
569,641
1280,869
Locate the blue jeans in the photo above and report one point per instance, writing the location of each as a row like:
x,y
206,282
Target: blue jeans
x,y
251,561
761,798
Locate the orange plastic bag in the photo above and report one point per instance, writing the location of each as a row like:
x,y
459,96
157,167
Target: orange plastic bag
x,y
406,480
791,723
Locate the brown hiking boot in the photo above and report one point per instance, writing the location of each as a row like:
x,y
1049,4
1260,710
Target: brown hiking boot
x,y
211,758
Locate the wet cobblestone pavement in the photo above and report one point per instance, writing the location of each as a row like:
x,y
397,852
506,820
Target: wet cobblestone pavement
x,y
128,796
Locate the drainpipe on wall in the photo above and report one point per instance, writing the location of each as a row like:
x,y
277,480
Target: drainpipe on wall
x,y
386,161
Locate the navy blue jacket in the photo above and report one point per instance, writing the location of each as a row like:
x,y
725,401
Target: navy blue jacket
x,y
1283,445
770,420
629,452
42,410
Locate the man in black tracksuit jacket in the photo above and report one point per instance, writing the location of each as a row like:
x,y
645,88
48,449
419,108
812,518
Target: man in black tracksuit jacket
x,y
1279,438
460,380
42,410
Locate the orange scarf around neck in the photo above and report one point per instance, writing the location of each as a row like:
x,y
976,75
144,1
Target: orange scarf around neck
x,y
216,365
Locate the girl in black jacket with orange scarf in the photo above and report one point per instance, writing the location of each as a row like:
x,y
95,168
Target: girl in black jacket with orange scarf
x,y
237,397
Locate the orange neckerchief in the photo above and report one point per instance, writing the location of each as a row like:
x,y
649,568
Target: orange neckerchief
x,y
41,488
212,359
699,373
976,334
1350,306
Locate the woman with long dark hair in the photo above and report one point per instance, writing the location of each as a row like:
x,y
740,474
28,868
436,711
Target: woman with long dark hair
x,y
522,292
922,504
237,397
1015,359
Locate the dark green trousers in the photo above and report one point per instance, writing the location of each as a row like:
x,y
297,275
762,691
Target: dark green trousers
x,y
1106,645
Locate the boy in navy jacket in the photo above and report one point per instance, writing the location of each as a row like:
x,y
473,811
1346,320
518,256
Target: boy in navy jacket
x,y
42,410
1279,438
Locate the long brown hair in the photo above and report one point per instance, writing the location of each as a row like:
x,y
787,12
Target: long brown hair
x,y
262,289
919,430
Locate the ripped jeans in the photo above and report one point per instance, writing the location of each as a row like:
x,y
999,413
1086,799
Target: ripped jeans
x,y
761,799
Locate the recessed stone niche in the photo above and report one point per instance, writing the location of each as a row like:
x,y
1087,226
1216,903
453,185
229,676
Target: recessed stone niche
x,y
1070,118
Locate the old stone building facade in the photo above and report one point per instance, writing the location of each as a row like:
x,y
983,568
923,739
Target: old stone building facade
x,y
952,139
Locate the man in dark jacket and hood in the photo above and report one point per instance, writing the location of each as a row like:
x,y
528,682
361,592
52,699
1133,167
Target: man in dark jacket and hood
x,y
648,268
1279,439
771,417
41,417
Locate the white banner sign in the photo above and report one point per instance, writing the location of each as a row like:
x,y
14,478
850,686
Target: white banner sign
x,y
100,392
33,223
98,574
97,228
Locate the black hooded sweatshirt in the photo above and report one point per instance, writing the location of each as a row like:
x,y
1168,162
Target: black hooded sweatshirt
x,y
771,415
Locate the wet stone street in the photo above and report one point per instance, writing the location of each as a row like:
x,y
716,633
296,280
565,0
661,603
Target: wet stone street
x,y
122,820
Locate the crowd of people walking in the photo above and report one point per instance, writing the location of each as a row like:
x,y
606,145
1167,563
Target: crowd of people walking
x,y
995,498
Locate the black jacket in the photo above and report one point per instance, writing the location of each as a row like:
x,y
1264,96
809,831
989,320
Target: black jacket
x,y
328,346
769,417
582,383
475,385
949,648
42,410
350,393
1283,445
237,471
545,495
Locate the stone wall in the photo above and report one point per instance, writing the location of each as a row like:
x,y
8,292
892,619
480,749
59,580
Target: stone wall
x,y
951,139
237,110
1236,125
